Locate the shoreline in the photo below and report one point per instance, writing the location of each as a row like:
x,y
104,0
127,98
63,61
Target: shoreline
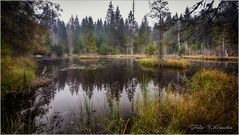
x,y
141,56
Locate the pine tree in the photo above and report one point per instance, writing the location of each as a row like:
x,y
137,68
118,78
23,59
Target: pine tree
x,y
88,36
117,30
110,21
159,10
143,37
131,22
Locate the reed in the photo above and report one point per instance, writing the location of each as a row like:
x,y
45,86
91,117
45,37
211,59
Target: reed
x,y
210,99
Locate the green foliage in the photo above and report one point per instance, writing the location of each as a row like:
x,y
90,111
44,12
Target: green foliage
x,y
77,47
114,124
143,37
89,41
173,48
23,28
66,50
182,50
5,50
104,50
150,49
195,47
58,49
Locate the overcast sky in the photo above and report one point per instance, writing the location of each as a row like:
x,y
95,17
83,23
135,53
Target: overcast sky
x,y
98,8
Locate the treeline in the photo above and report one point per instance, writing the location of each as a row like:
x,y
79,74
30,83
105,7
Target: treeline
x,y
113,35
213,31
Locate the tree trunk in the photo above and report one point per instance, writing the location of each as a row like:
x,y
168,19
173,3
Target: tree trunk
x,y
178,35
160,57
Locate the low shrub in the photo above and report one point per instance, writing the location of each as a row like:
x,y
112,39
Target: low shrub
x,y
150,49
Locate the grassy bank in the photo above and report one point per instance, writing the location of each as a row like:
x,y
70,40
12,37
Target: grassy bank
x,y
171,63
210,99
16,73
216,58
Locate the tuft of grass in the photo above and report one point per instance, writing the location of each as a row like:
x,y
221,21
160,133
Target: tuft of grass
x,y
214,95
85,124
114,124
170,63
175,63
149,62
210,99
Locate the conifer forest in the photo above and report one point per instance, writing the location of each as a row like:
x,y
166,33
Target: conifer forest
x,y
119,67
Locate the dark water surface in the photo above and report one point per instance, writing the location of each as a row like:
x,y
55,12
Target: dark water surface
x,y
85,93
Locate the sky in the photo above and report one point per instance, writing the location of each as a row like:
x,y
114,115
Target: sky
x,y
98,8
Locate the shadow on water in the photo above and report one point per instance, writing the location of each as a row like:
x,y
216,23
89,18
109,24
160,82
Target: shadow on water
x,y
91,96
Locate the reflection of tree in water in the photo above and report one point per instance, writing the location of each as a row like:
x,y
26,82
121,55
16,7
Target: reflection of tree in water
x,y
113,78
45,94
165,76
22,109
43,97
61,79
116,76
73,81
51,125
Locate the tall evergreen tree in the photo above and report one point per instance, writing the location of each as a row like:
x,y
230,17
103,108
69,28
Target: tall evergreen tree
x,y
159,10
110,20
143,37
88,36
117,30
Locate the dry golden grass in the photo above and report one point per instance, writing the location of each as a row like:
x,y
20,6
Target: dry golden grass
x,y
211,98
171,63
219,58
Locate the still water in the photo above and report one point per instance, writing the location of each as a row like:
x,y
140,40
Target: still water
x,y
85,93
